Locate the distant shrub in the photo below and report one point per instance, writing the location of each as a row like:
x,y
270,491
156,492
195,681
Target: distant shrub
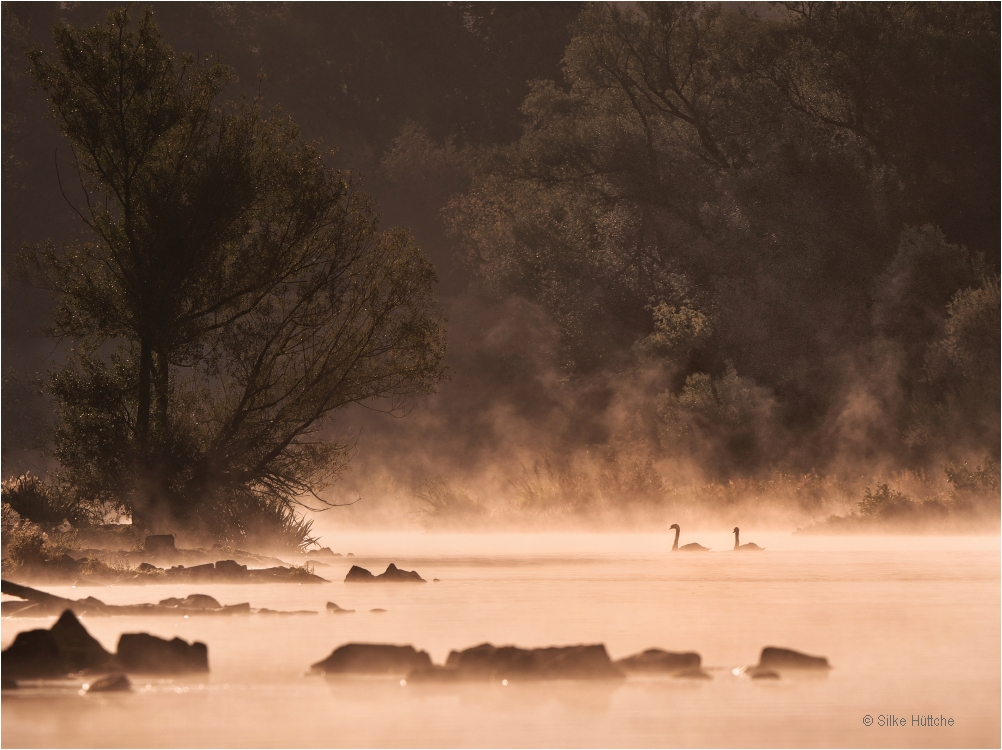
x,y
440,501
9,518
728,421
257,522
26,545
39,502
981,481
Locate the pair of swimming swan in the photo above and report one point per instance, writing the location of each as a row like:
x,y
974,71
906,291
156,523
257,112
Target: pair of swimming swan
x,y
693,547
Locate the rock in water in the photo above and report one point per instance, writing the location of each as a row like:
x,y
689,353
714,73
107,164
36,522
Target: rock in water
x,y
785,658
67,647
334,609
32,655
200,601
157,544
322,552
393,574
77,647
373,658
142,652
358,575
489,662
654,660
230,569
113,683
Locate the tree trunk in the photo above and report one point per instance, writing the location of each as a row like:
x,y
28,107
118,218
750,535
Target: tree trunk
x,y
161,389
143,414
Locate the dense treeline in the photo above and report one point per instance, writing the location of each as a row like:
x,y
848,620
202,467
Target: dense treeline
x,y
791,213
738,238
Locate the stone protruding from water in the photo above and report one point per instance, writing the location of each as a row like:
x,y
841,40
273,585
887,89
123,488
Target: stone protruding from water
x,y
113,683
322,552
78,648
393,574
66,647
34,654
160,544
194,601
334,609
656,661
142,652
373,659
780,659
40,604
489,662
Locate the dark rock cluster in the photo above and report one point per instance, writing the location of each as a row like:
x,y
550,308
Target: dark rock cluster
x,y
774,661
489,663
68,648
373,658
40,604
393,574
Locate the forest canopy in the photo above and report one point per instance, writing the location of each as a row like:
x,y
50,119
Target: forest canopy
x,y
778,209
676,242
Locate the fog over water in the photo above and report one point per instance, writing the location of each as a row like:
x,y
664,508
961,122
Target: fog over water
x,y
756,287
911,625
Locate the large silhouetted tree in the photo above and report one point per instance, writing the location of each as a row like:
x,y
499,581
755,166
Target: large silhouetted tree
x,y
234,293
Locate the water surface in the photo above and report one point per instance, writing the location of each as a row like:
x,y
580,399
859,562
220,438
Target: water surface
x,y
911,626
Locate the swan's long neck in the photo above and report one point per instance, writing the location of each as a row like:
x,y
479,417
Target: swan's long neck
x,y
675,545
737,534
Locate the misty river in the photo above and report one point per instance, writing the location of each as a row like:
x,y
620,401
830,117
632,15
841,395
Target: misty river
x,y
911,626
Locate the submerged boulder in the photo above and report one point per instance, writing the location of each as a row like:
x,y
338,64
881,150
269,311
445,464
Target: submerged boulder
x,y
774,658
373,658
489,662
142,652
200,601
654,660
113,683
393,574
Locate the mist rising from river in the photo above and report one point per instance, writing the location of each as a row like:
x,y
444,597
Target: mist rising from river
x,y
910,625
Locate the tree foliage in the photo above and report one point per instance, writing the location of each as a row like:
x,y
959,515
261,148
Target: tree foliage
x,y
761,195
236,291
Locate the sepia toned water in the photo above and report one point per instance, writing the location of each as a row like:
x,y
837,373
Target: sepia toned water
x,y
911,626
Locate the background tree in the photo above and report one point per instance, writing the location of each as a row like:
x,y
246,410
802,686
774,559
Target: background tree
x,y
756,172
242,286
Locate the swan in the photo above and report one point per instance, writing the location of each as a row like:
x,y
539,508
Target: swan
x,y
687,548
750,547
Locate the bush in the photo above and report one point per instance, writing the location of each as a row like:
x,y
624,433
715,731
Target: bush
x,y
256,522
440,501
26,545
728,422
36,501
